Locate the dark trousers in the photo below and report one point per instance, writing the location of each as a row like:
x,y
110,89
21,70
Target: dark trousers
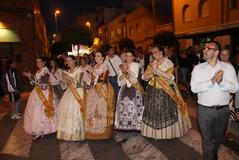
x,y
114,83
213,125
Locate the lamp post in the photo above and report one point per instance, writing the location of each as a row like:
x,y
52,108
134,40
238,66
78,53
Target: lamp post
x,y
87,24
57,12
154,16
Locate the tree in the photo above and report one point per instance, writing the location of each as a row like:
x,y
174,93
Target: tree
x,y
165,38
126,43
58,48
77,35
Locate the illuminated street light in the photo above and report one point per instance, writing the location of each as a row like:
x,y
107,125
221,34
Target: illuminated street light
x,y
88,24
57,12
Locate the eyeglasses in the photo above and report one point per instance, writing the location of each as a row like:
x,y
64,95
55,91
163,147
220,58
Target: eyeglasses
x,y
208,48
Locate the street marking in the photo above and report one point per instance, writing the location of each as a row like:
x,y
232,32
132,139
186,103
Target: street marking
x,y
19,143
137,147
75,150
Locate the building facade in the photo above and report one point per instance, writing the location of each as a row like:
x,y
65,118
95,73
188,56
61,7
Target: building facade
x,y
25,17
88,19
137,25
197,21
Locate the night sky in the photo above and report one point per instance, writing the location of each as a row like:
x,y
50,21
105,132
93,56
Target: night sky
x,y
70,9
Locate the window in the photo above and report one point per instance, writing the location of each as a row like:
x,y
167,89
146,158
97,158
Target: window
x,y
186,13
131,30
233,4
203,8
124,31
112,34
118,31
137,27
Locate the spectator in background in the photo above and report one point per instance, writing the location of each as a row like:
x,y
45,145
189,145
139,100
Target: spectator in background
x,y
86,69
147,59
113,61
123,54
196,55
225,56
91,59
236,66
171,55
13,89
4,63
55,78
183,65
87,58
148,56
139,58
61,61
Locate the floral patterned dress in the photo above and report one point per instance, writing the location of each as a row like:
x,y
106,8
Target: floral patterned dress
x,y
129,108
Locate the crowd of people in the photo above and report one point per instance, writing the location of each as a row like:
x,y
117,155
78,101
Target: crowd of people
x,y
88,101
88,97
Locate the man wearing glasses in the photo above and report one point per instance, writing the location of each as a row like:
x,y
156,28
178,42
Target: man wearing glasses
x,y
213,81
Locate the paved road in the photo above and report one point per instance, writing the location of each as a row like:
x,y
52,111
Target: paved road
x,y
15,144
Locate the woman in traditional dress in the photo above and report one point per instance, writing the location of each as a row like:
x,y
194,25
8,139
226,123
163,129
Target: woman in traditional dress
x,y
129,108
86,68
100,103
55,79
40,113
71,106
165,115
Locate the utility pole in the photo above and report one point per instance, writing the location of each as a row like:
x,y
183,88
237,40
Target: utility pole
x,y
154,16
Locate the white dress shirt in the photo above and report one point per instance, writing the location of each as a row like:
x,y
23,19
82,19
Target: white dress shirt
x,y
210,94
115,61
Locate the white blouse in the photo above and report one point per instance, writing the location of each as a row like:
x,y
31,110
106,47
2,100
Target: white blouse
x,y
133,69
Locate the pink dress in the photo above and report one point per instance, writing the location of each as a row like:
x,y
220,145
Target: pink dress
x,y
35,120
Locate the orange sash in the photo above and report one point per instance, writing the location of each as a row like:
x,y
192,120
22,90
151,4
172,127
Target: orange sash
x,y
48,104
78,98
108,95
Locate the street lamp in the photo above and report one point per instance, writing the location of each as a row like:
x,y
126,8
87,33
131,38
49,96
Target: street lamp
x,y
87,24
154,17
57,12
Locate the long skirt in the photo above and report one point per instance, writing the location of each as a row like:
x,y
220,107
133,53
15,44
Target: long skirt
x,y
70,119
96,116
162,118
129,109
35,120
